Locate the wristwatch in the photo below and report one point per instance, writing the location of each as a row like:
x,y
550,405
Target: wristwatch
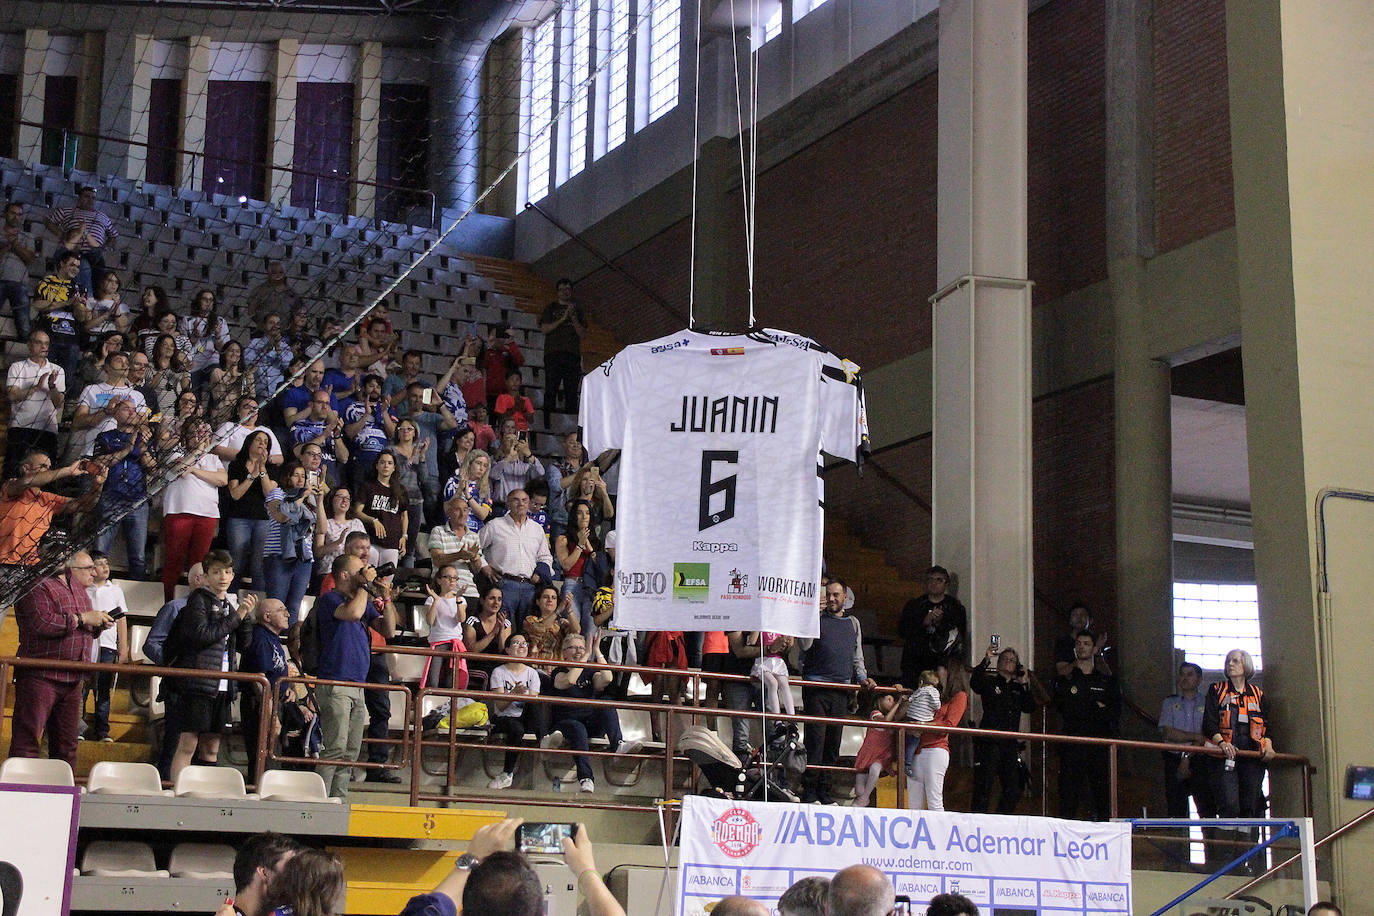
x,y
466,861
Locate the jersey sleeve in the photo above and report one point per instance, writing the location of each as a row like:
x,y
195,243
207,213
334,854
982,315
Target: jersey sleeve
x,y
605,405
843,426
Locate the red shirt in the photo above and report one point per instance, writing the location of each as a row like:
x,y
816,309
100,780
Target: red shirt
x,y
49,628
497,363
949,714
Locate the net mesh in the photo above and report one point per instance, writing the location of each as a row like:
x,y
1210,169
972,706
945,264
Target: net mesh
x,y
349,141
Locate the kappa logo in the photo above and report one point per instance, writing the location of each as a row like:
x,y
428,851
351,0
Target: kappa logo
x,y
736,833
674,345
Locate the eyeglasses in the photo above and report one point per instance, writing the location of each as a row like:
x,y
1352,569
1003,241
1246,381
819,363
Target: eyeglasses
x,y
448,577
517,644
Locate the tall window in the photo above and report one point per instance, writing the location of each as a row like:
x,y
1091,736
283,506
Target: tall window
x,y
627,52
617,72
801,7
772,26
665,41
540,82
577,26
1211,619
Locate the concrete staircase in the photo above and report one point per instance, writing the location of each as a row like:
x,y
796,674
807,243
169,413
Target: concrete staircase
x,y
532,293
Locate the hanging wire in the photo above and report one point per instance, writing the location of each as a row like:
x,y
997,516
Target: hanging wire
x,y
696,162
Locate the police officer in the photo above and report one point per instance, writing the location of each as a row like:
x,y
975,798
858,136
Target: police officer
x,y
1180,722
1089,703
1006,695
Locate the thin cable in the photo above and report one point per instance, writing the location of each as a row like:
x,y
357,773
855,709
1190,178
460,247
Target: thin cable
x,y
739,126
754,72
696,162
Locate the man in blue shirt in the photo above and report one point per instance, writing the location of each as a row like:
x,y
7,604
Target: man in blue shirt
x,y
269,355
345,655
321,426
123,503
369,426
1180,722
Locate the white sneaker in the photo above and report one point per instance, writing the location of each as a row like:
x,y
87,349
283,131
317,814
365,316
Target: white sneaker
x,y
502,782
586,785
552,739
629,747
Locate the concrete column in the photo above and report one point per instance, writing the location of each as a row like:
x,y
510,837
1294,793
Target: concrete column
x,y
981,451
32,94
283,120
1143,619
455,115
1300,106
88,93
195,108
717,189
127,89
367,107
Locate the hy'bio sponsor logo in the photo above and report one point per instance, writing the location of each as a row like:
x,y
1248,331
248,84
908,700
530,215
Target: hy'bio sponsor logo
x,y
641,583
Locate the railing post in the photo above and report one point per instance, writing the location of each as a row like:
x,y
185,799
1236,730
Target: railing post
x,y
267,716
1112,776
418,735
901,768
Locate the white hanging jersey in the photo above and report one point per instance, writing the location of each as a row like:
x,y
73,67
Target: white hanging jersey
x,y
719,511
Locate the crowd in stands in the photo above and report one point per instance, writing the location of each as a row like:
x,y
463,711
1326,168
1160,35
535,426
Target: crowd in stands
x,y
179,434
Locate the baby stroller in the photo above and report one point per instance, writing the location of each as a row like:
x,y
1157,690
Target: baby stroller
x,y
763,776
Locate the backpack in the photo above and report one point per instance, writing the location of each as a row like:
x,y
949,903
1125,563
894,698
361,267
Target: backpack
x,y
308,654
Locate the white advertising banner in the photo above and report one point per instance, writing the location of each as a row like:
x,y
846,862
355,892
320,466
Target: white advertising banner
x,y
37,848
1007,865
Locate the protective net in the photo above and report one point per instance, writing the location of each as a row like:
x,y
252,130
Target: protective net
x,y
354,143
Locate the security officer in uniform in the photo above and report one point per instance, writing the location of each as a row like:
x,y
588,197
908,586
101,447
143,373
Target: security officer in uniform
x,y
1180,722
1089,704
1006,695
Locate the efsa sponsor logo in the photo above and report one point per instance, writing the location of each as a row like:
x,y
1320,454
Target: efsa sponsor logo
x,y
736,833
691,582
671,345
641,583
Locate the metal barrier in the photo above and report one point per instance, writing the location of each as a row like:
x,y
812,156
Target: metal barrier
x,y
47,664
903,730
413,741
404,744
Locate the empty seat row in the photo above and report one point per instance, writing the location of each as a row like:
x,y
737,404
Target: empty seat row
x,y
125,859
110,777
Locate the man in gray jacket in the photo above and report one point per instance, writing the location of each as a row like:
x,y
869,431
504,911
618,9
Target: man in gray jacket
x,y
835,657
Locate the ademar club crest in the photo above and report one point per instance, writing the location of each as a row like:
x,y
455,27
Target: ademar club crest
x,y
736,833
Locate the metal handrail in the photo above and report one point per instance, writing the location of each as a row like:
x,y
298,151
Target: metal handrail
x,y
311,681
196,156
49,664
415,739
902,728
1336,834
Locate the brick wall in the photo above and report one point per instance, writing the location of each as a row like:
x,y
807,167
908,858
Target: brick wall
x,y
1066,163
1074,509
1193,183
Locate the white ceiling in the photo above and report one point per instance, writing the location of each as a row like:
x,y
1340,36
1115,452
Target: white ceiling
x,y
1210,466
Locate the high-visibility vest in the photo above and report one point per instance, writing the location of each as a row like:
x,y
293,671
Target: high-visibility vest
x,y
1250,697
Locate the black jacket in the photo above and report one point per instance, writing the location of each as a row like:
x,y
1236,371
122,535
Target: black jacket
x,y
1003,701
1088,704
200,635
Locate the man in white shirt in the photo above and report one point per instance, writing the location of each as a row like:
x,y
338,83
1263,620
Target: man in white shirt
x,y
517,553
96,408
37,389
230,436
112,645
